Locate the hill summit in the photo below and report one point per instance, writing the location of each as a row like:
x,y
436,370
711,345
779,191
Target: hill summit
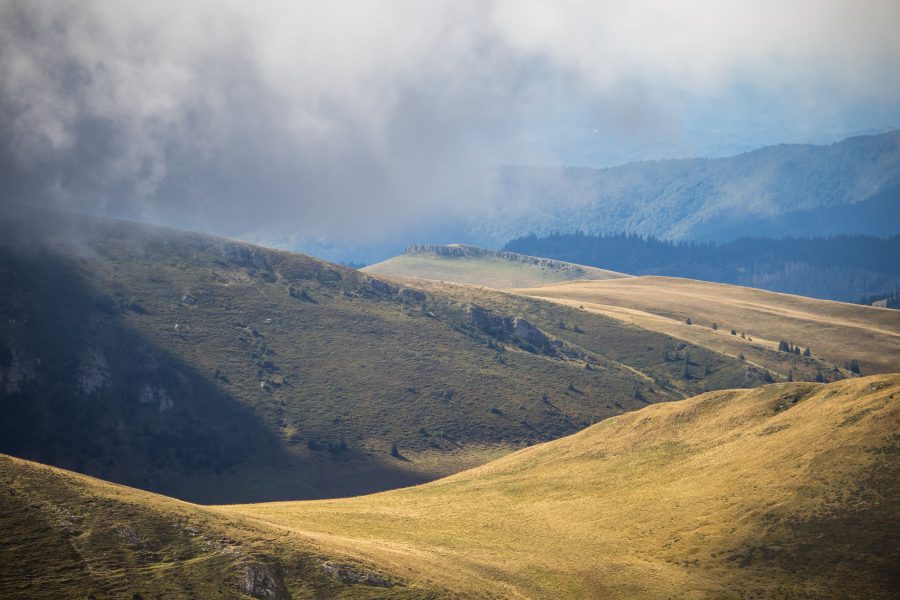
x,y
480,266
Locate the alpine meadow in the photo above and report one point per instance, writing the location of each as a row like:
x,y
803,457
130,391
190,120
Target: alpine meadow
x,y
426,300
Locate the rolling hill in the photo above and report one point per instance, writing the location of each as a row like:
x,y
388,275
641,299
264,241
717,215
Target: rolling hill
x,y
216,371
489,268
787,490
835,331
67,535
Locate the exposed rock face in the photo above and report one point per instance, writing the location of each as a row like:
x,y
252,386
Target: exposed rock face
x,y
385,288
528,332
356,575
130,536
18,370
156,394
244,256
462,251
257,581
516,327
484,319
93,373
382,287
412,295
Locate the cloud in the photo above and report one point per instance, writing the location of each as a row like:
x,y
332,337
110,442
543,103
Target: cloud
x,y
371,115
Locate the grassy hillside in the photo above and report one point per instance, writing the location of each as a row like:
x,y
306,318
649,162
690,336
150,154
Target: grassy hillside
x,y
212,370
70,536
834,331
789,490
476,266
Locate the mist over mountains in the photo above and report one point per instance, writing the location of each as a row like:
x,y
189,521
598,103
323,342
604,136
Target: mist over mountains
x,y
851,187
799,190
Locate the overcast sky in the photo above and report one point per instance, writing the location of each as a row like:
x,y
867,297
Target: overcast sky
x,y
236,116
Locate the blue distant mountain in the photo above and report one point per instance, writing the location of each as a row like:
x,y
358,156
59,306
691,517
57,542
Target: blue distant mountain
x,y
850,187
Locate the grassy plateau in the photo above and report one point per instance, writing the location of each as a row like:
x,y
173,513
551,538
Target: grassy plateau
x,y
475,266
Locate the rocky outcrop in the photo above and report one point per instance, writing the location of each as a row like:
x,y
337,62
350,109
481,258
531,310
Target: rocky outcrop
x,y
528,332
245,256
257,580
93,373
382,287
17,370
412,295
385,288
509,326
356,575
156,395
462,251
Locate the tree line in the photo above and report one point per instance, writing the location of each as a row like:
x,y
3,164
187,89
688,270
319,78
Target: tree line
x,y
846,268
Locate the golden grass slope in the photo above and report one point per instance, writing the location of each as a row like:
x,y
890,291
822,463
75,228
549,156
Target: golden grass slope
x,y
485,270
835,331
789,490
65,535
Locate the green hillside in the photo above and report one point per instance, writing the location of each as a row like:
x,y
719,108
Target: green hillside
x,y
488,268
211,370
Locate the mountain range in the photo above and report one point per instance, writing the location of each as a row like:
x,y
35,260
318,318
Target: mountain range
x,y
849,187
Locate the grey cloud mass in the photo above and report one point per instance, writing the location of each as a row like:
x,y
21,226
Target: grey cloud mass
x,y
360,116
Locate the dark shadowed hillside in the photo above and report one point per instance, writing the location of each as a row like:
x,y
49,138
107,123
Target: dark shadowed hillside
x,y
209,369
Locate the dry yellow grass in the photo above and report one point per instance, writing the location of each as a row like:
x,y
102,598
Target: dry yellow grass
x,y
785,490
67,535
835,331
